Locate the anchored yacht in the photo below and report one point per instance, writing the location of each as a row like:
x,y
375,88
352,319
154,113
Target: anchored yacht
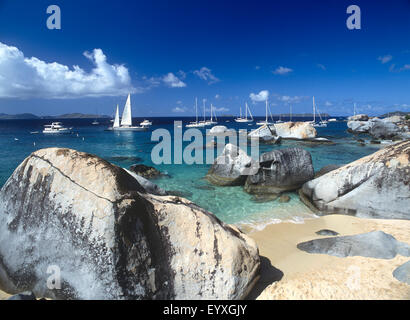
x,y
55,127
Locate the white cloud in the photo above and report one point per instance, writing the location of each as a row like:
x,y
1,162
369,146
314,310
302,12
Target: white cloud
x,y
205,74
328,104
385,59
261,96
282,70
257,67
173,81
178,110
403,68
321,66
22,77
217,96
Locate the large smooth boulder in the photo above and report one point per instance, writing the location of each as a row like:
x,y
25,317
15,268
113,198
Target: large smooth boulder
x,y
112,240
144,171
402,273
384,130
281,170
359,126
221,130
394,119
375,244
374,186
231,167
358,117
148,186
263,132
295,130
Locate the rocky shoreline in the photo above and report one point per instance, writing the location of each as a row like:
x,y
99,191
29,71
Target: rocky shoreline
x,y
130,240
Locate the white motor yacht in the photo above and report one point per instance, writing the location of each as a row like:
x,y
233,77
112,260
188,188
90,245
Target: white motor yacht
x,y
55,127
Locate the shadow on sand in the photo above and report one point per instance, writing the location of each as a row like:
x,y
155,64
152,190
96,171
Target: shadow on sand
x,y
268,275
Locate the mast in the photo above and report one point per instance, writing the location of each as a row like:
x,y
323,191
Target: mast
x,y
314,110
354,109
211,112
203,100
246,111
196,109
266,118
240,112
290,106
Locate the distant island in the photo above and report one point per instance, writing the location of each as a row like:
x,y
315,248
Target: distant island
x,y
30,116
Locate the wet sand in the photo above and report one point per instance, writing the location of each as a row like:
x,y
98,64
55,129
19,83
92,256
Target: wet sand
x,y
289,273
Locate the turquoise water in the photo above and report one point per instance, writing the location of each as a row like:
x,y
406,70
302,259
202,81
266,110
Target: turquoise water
x,y
230,204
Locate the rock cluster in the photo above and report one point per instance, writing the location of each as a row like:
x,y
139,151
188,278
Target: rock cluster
x,y
374,186
275,172
110,239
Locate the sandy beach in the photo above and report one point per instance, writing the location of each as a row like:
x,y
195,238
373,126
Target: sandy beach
x,y
3,295
289,273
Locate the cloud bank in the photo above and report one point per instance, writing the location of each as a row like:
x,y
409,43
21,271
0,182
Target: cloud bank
x,y
22,77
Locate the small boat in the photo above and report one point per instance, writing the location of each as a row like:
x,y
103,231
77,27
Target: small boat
x,y
261,123
321,124
195,124
146,123
95,123
332,120
280,119
126,120
211,121
244,120
55,127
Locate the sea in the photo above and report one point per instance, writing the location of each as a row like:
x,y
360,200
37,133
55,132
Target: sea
x,y
19,138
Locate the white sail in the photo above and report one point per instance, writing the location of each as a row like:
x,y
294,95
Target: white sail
x,y
126,119
117,118
248,110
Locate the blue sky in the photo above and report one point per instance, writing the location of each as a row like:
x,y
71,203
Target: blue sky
x,y
169,52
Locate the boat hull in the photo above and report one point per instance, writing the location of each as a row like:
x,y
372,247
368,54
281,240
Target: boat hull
x,y
129,129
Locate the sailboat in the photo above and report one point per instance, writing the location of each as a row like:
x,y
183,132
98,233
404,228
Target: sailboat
x,y
195,124
240,119
211,121
261,123
95,122
321,124
126,120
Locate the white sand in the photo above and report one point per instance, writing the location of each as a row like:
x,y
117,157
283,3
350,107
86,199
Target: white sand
x,y
320,276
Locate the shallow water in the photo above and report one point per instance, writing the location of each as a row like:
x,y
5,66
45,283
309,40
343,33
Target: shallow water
x,y
230,204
